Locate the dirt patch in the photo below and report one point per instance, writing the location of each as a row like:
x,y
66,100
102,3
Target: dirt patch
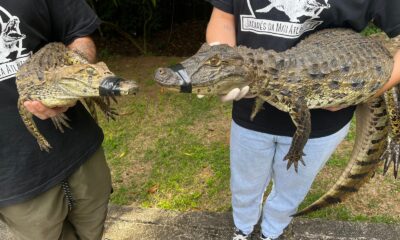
x,y
206,173
378,197
216,129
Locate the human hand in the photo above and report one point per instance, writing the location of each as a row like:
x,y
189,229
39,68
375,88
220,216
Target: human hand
x,y
235,94
43,112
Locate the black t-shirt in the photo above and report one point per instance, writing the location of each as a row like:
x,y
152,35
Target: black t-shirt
x,y
281,24
25,170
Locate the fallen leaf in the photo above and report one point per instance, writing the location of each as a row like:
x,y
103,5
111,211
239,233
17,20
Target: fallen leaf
x,y
153,189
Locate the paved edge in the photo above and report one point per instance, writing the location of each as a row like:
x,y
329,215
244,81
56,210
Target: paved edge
x,y
130,223
149,224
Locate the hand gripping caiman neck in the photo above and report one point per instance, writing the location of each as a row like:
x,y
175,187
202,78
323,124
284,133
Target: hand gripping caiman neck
x,y
185,83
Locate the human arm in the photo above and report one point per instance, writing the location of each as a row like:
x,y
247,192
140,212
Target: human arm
x,y
221,28
394,78
86,47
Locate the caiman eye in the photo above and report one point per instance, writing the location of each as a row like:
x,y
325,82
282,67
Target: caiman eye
x,y
90,71
214,61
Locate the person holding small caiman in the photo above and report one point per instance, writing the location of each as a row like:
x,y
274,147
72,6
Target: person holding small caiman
x,y
258,146
63,193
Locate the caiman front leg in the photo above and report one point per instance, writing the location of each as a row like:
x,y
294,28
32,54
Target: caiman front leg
x,y
392,152
91,107
258,106
60,121
31,126
103,104
301,118
108,111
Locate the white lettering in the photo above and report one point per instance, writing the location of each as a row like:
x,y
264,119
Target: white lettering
x,y
277,28
10,69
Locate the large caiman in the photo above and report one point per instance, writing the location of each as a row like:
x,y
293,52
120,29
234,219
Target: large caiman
x,y
58,76
330,68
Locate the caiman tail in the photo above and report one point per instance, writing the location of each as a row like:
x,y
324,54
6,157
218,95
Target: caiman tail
x,y
371,138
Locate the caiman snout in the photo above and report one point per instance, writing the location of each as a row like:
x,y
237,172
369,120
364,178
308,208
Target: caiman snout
x,y
116,86
174,76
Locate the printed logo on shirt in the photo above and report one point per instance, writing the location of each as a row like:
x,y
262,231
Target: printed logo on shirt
x,y
301,14
11,50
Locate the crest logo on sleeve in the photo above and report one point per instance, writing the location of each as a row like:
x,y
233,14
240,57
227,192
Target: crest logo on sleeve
x,y
11,49
301,14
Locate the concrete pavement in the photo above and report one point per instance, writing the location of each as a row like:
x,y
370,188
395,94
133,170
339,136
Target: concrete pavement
x,y
130,223
125,223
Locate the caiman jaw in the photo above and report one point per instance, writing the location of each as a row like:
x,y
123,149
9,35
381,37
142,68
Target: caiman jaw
x,y
179,78
115,86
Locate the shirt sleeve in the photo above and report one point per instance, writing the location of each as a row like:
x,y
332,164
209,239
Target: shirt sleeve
x,y
387,16
224,5
71,19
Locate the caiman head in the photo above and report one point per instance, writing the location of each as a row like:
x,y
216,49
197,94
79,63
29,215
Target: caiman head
x,y
89,80
212,70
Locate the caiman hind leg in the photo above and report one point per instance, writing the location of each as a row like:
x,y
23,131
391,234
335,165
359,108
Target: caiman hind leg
x,y
301,118
392,152
31,126
300,114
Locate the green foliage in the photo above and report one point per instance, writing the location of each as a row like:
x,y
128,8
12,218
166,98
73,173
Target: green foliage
x,y
137,20
129,15
371,29
128,18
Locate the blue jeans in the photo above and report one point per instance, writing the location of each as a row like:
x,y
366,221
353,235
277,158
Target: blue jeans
x,y
257,158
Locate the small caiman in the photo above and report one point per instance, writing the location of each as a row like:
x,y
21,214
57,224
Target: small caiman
x,y
329,68
58,76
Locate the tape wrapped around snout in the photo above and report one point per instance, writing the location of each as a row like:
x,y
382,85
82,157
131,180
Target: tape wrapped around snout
x,y
110,86
185,82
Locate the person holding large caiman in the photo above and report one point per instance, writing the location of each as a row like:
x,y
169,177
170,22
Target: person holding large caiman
x,y
258,146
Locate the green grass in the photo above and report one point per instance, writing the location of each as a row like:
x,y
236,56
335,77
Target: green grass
x,y
171,151
176,168
174,155
371,29
341,212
